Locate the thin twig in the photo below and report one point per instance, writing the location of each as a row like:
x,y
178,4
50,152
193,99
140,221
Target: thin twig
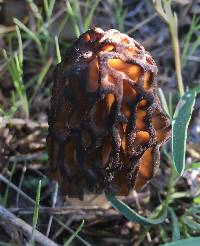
x,y
194,58
5,180
53,206
14,187
28,157
25,228
71,231
80,211
21,122
20,184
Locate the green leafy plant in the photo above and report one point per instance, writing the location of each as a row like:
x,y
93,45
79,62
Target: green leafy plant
x,y
180,124
185,242
135,217
15,68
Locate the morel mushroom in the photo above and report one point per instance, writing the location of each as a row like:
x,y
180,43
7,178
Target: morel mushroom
x,y
106,124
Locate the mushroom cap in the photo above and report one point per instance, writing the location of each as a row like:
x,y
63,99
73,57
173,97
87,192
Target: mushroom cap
x,y
106,123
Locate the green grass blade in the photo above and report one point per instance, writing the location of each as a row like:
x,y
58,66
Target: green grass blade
x,y
197,89
175,225
5,199
57,50
36,212
18,67
194,211
46,7
164,101
180,124
51,7
31,34
194,165
194,27
130,214
88,19
25,29
196,200
15,68
195,46
72,14
69,240
62,24
193,225
3,112
41,78
20,55
34,9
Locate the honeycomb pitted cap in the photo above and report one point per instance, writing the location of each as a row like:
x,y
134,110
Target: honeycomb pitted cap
x,y
106,124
